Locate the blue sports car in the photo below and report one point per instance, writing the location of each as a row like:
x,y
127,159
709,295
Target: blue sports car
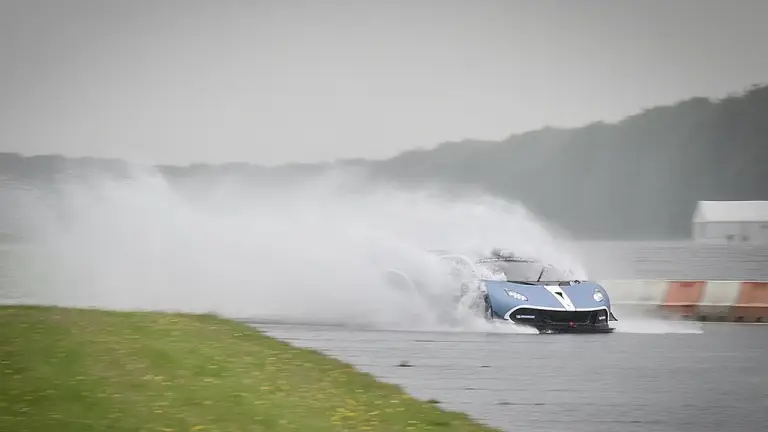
x,y
523,291
534,294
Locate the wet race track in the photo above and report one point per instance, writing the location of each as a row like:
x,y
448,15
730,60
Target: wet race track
x,y
631,380
650,375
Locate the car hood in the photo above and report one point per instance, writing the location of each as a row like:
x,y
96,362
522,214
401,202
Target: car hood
x,y
579,295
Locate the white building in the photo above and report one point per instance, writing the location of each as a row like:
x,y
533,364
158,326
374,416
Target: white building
x,y
731,222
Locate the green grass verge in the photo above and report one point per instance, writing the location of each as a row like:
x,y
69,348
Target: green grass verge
x,y
86,370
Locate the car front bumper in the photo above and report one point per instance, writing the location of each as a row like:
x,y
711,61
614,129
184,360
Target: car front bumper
x,y
561,321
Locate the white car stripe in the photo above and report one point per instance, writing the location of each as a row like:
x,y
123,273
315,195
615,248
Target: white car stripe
x,y
561,296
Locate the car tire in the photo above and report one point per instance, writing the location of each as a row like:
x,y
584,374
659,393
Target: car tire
x,y
488,310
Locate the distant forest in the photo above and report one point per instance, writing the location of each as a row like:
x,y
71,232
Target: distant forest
x,y
639,178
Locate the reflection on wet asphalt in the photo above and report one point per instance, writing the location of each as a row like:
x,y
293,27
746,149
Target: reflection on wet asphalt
x,y
716,380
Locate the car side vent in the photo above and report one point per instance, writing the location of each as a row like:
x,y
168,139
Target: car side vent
x,y
560,294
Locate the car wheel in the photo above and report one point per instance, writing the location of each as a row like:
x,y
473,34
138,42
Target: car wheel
x,y
488,311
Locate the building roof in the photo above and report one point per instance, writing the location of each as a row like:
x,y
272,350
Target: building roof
x,y
731,211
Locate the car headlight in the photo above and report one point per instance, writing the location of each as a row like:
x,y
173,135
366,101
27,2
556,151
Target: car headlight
x,y
516,295
598,296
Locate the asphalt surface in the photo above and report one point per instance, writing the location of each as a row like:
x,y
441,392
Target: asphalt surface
x,y
627,381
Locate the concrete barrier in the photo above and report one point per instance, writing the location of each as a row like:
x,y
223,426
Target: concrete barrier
x,y
729,301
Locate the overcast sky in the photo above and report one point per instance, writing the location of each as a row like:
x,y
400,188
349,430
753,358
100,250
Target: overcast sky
x,y
276,81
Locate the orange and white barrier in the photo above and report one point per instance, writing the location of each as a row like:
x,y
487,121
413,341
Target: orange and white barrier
x,y
702,300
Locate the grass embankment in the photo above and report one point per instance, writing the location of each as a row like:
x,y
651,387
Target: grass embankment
x,y
86,370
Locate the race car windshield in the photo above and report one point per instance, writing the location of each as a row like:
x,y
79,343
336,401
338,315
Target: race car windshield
x,y
525,271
